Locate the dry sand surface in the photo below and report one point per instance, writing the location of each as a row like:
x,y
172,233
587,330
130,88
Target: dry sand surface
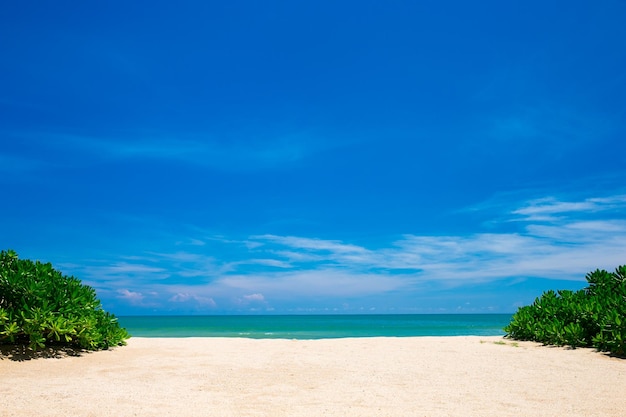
x,y
425,376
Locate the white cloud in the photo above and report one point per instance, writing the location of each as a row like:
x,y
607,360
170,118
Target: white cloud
x,y
543,209
128,268
334,246
313,283
293,256
564,249
589,234
132,297
185,297
267,262
192,242
254,297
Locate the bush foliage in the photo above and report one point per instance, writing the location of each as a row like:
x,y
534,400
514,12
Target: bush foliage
x,y
41,307
592,317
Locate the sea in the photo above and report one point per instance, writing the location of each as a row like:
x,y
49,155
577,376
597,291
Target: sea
x,y
317,326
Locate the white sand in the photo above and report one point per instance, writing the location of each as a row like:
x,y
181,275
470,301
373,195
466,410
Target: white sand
x,y
426,376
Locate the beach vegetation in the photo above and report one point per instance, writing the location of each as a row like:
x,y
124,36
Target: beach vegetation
x,y
592,317
40,307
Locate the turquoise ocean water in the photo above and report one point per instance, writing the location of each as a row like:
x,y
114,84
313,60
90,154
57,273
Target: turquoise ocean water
x,y
317,326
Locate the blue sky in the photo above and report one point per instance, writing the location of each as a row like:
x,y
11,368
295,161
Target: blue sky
x,y
315,157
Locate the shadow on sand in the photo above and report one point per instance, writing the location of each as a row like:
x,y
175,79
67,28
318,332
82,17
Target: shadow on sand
x,y
21,352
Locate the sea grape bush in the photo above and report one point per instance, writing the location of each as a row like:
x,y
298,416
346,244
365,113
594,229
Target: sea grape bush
x,y
41,307
592,317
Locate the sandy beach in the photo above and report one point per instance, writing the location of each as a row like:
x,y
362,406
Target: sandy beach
x,y
422,376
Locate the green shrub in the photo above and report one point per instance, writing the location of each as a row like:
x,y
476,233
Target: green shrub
x,y
41,307
592,317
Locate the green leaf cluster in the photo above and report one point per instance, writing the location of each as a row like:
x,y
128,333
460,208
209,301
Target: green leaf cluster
x,y
592,317
41,307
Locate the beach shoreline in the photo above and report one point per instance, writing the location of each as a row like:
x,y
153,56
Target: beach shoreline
x,y
380,376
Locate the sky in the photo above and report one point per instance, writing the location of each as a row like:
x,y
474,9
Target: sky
x,y
315,157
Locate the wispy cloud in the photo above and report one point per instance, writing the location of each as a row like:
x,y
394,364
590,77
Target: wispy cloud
x,y
187,298
133,297
545,209
200,149
314,283
536,118
265,262
334,246
254,297
587,234
13,164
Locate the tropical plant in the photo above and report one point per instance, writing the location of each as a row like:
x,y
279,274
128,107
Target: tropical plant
x,y
39,307
592,317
